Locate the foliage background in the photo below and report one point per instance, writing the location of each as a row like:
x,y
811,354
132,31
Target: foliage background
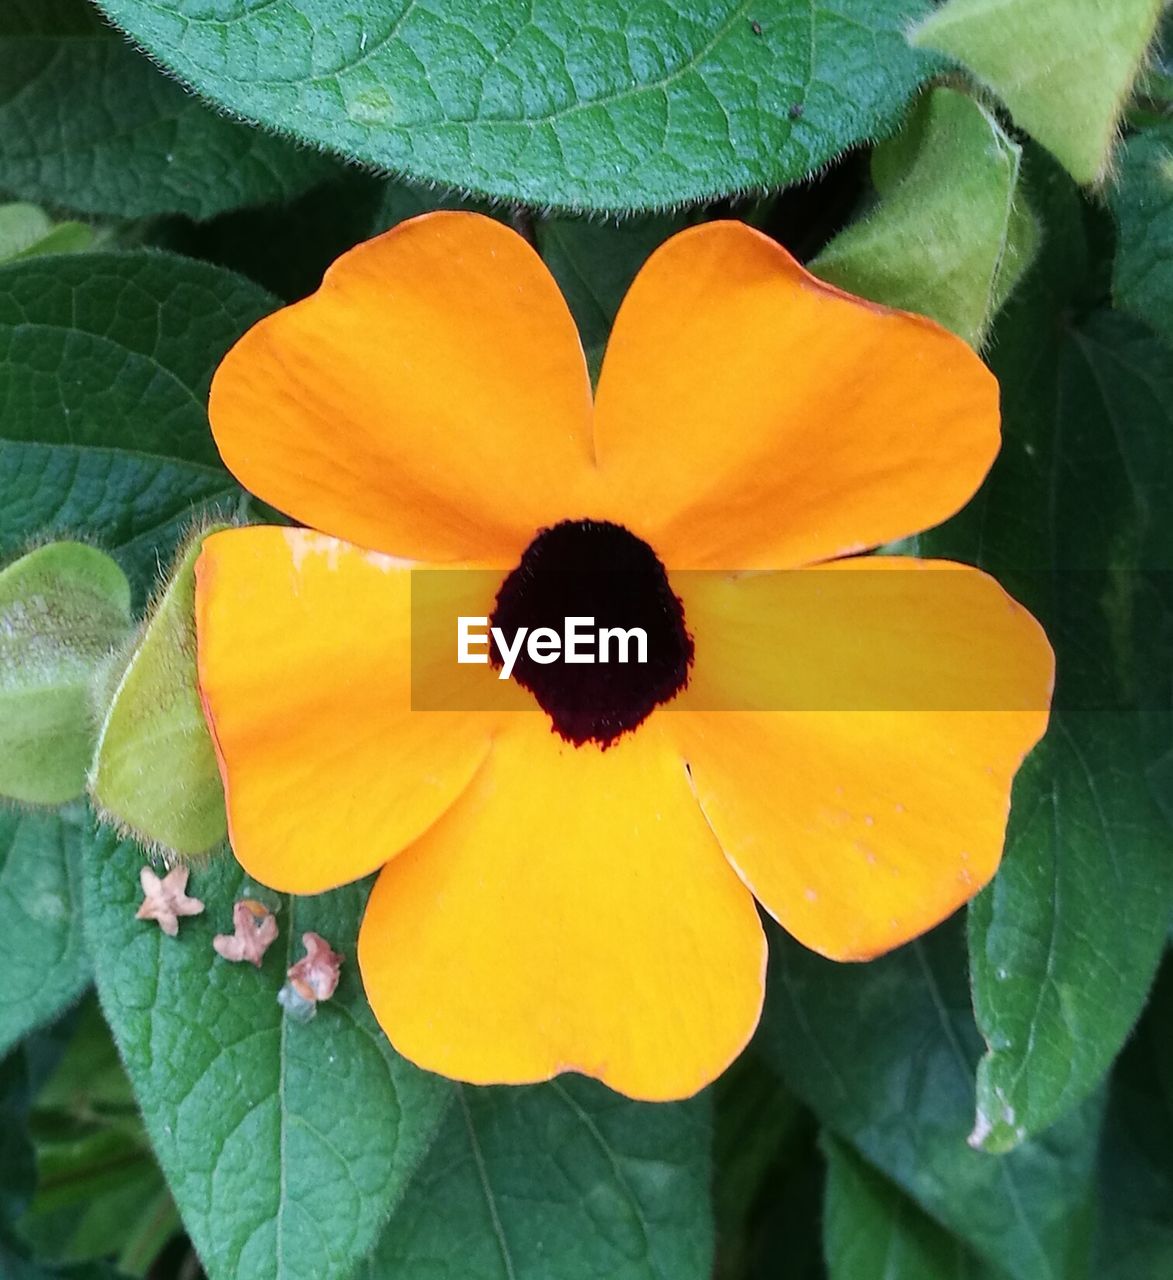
x,y
992,1102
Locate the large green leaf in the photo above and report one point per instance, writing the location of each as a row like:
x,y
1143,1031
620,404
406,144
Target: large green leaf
x,y
1136,1200
1142,200
596,106
46,964
89,124
885,1055
105,363
285,1144
561,1181
1074,521
873,1231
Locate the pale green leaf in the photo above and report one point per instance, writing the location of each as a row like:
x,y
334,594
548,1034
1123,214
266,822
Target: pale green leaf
x,y
154,773
1064,68
26,229
63,609
951,232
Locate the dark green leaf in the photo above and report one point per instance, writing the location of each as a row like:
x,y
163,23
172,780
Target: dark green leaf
x,y
1142,200
40,906
885,1054
595,263
285,1144
1073,520
87,123
1136,1235
561,1181
760,1132
873,1231
105,363
602,107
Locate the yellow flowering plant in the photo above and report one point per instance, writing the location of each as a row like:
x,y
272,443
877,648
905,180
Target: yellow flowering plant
x,y
598,708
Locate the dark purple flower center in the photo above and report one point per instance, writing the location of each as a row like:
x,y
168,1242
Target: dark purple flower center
x,y
592,569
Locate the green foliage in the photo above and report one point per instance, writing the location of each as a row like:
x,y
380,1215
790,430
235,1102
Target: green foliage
x,y
154,771
990,1102
1063,945
600,108
594,263
873,1231
951,233
1136,1233
1064,68
556,1181
105,363
47,966
1142,200
26,230
885,1054
63,609
88,124
99,1191
285,1144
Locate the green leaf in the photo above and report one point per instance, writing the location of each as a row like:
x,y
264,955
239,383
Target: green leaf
x,y
1136,1202
99,1191
599,108
560,1181
105,363
873,1231
951,233
40,905
1142,200
1073,520
26,230
285,1144
760,1132
885,1053
154,769
88,124
595,263
63,610
1064,68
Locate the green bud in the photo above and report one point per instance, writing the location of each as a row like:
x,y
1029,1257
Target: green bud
x,y
1064,68
950,234
155,774
27,230
64,608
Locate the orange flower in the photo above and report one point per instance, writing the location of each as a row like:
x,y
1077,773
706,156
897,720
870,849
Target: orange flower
x,y
584,899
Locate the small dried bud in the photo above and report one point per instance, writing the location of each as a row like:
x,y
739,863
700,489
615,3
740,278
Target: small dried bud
x,y
254,931
165,900
314,977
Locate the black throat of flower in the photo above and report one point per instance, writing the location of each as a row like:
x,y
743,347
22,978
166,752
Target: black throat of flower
x,y
596,570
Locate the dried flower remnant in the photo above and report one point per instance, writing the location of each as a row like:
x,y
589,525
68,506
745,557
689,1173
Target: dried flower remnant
x,y
166,899
254,931
314,977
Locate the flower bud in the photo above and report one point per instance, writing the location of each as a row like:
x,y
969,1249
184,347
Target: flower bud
x,y
64,608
